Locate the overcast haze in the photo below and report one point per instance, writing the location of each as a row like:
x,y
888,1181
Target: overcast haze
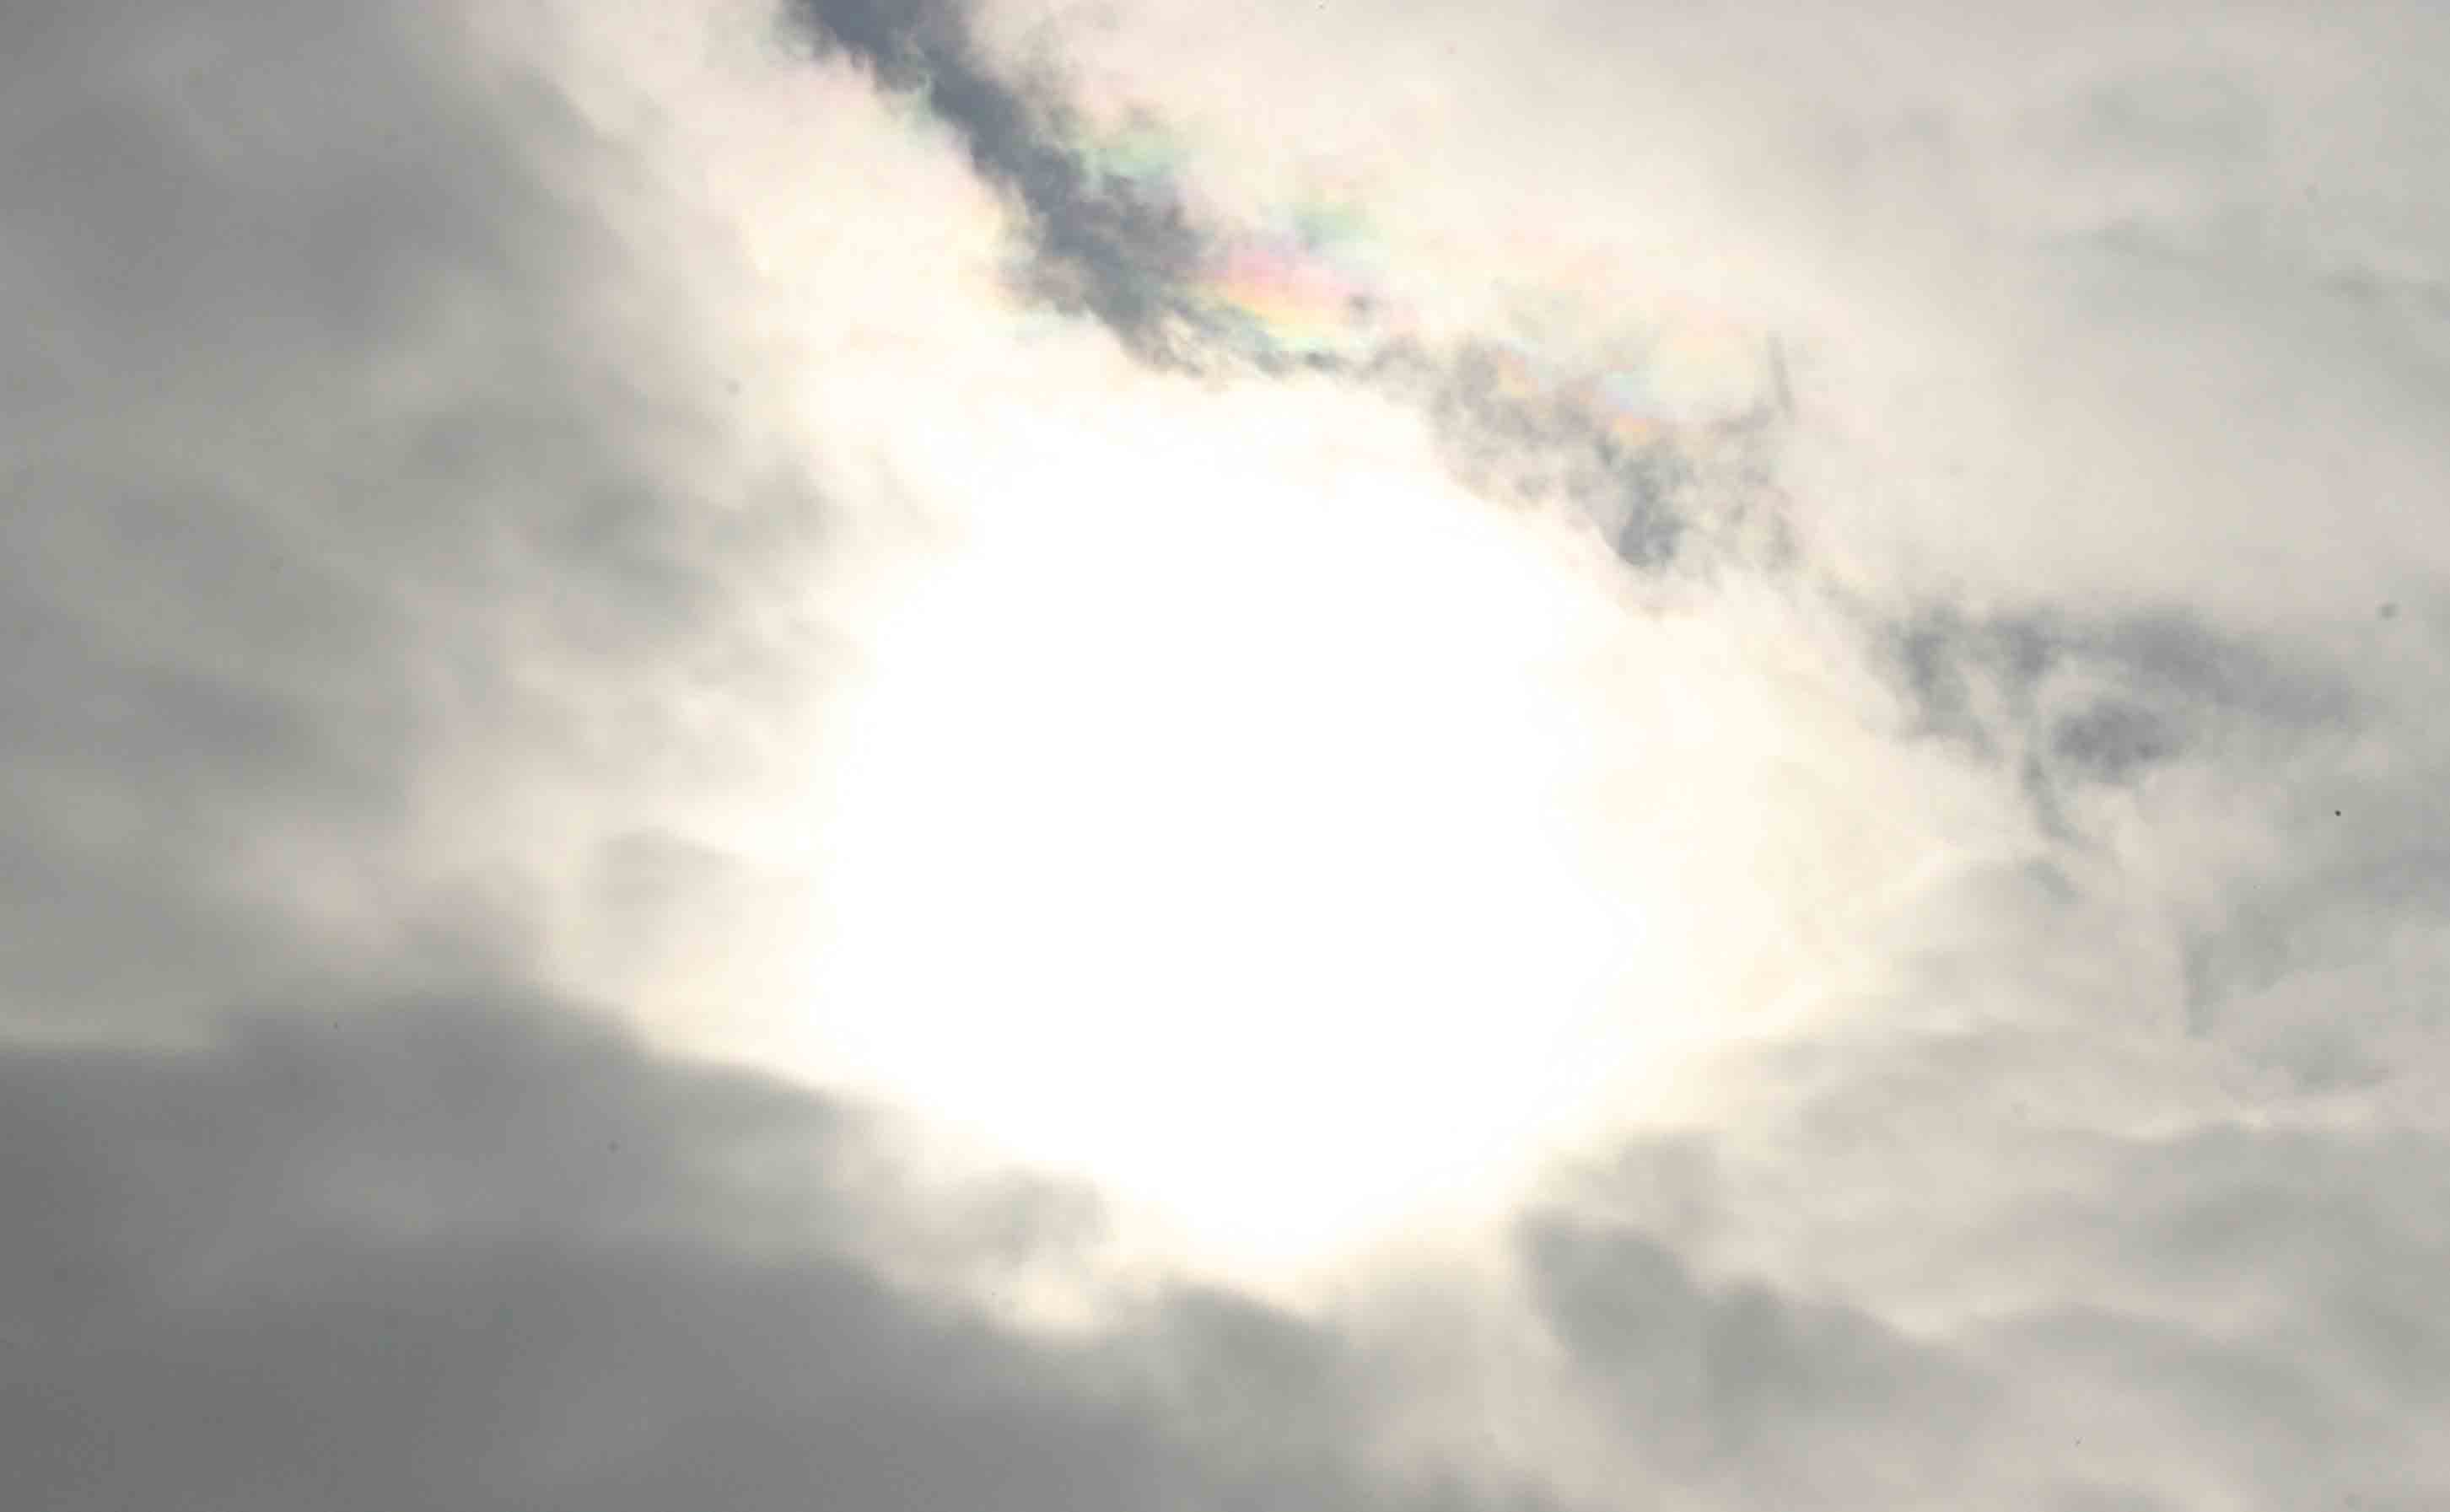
x,y
1148,755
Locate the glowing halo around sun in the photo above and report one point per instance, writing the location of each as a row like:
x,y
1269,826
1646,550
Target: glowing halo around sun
x,y
1273,834
1184,782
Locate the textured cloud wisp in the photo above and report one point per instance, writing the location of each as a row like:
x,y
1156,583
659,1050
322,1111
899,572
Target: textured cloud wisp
x,y
1114,224
1116,251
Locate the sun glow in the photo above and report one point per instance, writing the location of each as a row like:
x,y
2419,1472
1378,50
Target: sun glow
x,y
1263,830
1220,802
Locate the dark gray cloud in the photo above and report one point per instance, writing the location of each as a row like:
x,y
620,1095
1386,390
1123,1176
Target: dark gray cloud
x,y
450,1254
2306,964
1954,665
1110,247
2074,704
1544,449
1548,447
1750,1396
1127,251
447,1255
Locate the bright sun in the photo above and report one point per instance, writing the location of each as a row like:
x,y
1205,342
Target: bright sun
x,y
1295,846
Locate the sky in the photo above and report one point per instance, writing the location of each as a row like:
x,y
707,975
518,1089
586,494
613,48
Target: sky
x,y
1539,758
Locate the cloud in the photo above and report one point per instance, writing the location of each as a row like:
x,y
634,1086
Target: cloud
x,y
1188,280
2228,1315
500,1254
336,497
1746,1395
456,1255
1098,243
465,472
